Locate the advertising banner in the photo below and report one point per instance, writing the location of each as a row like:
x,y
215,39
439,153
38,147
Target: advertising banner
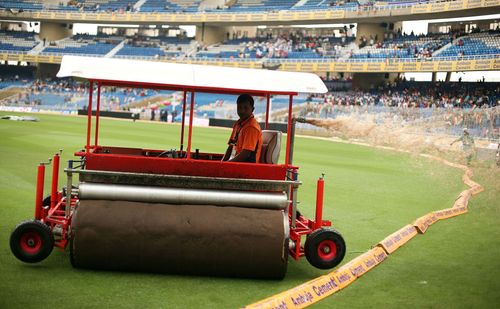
x,y
423,223
302,295
363,263
392,242
450,212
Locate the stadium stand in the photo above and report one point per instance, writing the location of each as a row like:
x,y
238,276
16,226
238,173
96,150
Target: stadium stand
x,y
170,6
17,41
326,4
262,5
401,46
482,43
156,47
83,44
290,46
131,50
293,46
102,5
26,5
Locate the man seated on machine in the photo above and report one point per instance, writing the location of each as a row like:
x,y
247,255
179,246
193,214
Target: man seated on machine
x,y
246,137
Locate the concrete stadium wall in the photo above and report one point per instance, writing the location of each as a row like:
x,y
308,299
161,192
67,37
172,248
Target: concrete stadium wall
x,y
47,70
55,31
210,34
371,29
366,81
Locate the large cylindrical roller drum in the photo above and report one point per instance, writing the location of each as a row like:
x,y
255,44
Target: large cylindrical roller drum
x,y
180,239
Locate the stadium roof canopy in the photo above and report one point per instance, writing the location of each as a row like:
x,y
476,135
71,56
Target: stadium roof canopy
x,y
189,77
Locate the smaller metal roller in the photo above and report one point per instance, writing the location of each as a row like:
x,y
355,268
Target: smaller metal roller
x,y
146,194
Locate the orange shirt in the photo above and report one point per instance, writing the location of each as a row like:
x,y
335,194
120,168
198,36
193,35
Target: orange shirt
x,y
249,136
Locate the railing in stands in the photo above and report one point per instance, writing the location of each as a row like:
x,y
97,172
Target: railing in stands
x,y
281,60
384,6
324,60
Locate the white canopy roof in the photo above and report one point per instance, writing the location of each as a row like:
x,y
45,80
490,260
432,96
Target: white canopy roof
x,y
196,77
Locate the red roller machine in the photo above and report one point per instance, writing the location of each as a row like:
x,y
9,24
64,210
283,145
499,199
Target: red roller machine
x,y
179,210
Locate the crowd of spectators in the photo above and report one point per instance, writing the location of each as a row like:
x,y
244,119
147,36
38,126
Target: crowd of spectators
x,y
474,105
96,7
392,44
281,46
421,95
396,94
396,44
72,94
458,105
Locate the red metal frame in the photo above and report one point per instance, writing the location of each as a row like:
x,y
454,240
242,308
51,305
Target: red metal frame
x,y
306,226
183,118
190,88
134,160
268,100
289,129
319,203
117,162
55,214
39,191
89,116
190,132
55,179
97,114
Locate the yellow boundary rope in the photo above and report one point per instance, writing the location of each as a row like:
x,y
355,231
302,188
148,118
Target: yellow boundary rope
x,y
315,290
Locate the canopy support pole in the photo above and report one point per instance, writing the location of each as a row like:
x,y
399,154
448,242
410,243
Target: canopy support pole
x,y
97,114
183,117
268,100
289,131
190,132
89,117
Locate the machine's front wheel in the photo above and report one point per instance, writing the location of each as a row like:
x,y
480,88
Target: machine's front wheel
x,y
325,248
31,241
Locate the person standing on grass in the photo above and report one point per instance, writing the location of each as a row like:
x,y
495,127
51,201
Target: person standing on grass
x,y
498,154
246,137
467,145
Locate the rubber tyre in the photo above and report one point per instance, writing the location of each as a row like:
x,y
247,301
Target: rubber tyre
x,y
325,248
31,241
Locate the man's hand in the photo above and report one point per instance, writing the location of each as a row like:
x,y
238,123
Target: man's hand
x,y
227,155
242,156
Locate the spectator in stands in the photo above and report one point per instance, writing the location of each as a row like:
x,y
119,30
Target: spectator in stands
x,y
246,138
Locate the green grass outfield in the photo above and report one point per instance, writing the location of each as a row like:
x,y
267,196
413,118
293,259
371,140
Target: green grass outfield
x,y
369,194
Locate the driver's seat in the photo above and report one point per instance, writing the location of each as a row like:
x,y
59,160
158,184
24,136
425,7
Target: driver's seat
x,y
271,146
